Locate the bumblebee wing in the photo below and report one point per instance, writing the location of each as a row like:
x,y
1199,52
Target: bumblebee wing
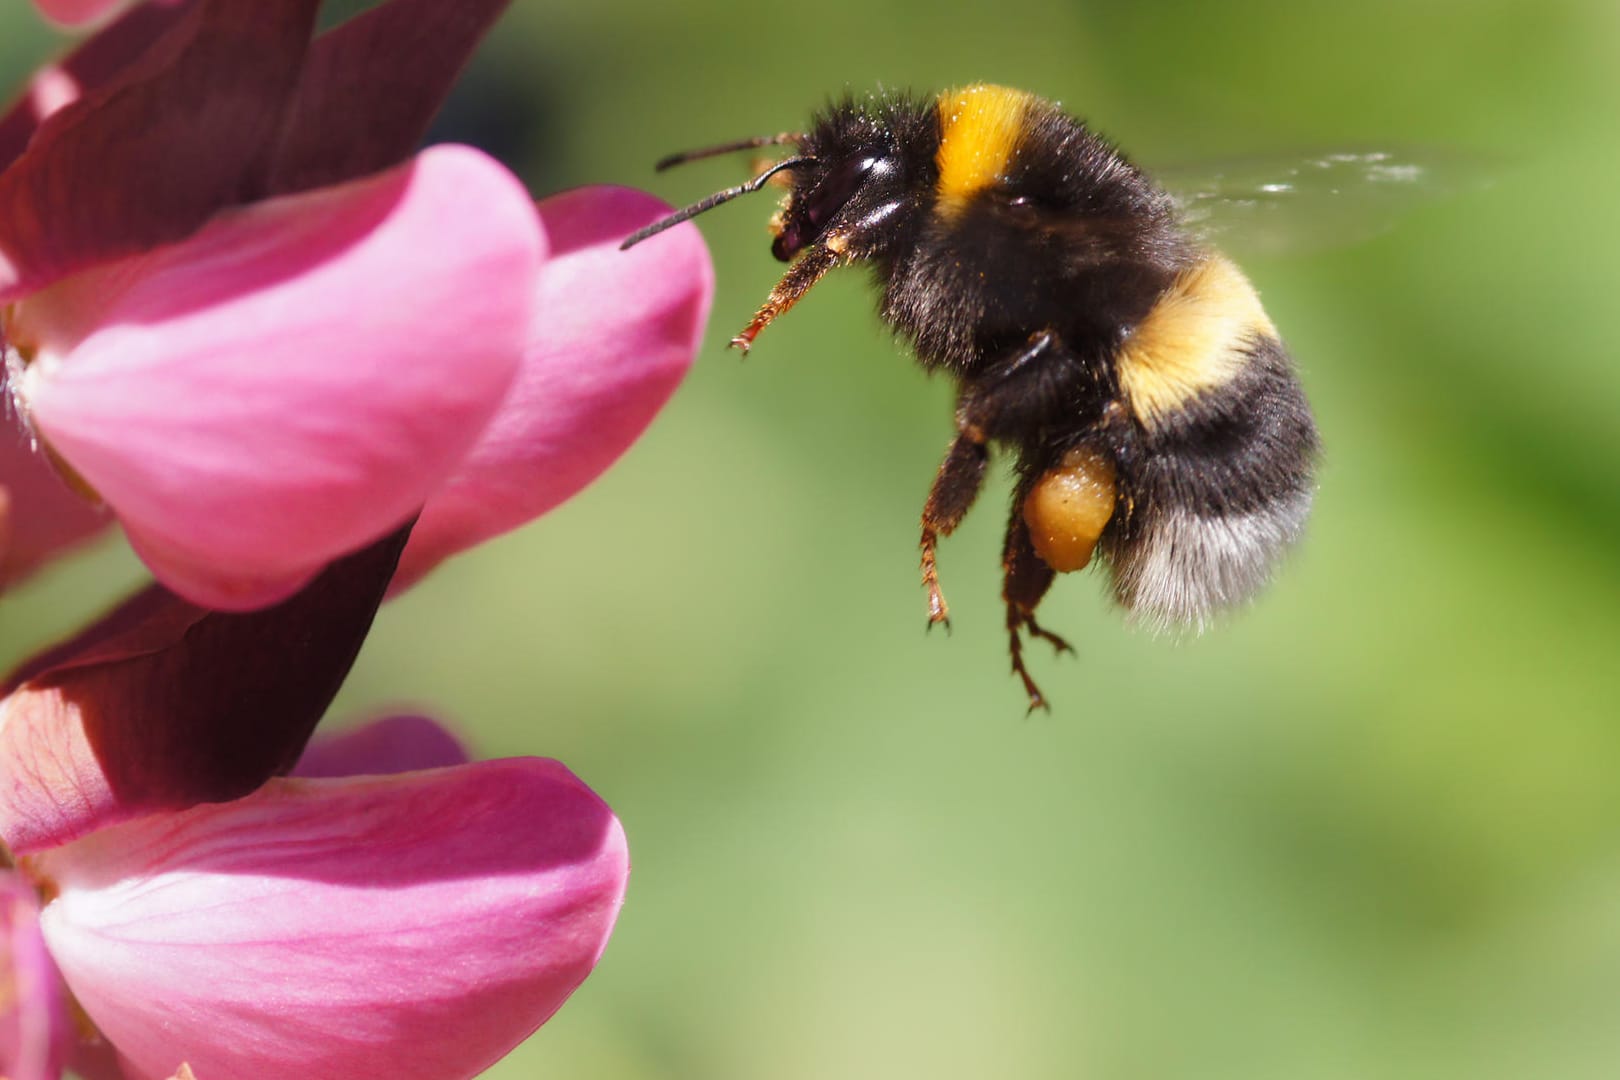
x,y
1287,205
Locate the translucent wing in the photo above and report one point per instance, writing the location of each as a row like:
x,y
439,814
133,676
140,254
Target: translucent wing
x,y
1290,205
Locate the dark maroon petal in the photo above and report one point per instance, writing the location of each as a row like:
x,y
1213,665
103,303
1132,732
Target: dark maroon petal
x,y
184,131
83,70
164,705
371,86
150,621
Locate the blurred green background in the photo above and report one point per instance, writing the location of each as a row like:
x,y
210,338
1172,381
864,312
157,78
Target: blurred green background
x,y
1370,827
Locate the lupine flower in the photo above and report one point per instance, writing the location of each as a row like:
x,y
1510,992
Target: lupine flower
x,y
255,388
236,309
294,379
40,515
416,922
162,704
323,925
416,925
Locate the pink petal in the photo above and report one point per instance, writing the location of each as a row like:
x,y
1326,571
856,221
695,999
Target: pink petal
x,y
178,135
613,334
35,1031
77,12
162,705
295,379
416,926
392,744
370,87
40,516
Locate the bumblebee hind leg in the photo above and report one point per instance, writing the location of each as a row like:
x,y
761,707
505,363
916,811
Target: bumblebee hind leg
x,y
1025,579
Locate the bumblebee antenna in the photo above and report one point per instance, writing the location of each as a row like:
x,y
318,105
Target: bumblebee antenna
x,y
712,201
753,143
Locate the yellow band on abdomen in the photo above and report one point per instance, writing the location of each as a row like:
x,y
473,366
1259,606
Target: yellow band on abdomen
x,y
1194,339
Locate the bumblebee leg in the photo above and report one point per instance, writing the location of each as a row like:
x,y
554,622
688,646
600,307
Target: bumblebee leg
x,y
811,265
955,487
1025,390
1025,579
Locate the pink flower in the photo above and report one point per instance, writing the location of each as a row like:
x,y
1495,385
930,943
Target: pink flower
x,y
409,925
294,379
612,338
417,923
256,388
235,308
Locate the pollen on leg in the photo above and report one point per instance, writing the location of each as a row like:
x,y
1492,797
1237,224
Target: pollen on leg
x,y
1068,508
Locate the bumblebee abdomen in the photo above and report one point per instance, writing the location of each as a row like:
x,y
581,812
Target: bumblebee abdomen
x,y
1216,474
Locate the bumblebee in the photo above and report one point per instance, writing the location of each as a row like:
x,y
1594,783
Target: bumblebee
x,y
1153,412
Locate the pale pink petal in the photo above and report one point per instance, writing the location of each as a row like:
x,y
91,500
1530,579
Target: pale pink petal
x,y
296,378
162,704
40,516
613,334
35,1031
178,134
77,12
392,744
414,927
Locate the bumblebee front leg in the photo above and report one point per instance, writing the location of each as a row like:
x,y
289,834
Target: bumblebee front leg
x,y
808,269
956,485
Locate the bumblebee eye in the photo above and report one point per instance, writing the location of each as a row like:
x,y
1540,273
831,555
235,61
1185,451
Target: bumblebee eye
x,y
823,202
836,189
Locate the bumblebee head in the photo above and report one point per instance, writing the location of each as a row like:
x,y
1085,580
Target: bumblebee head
x,y
870,161
851,185
862,176
842,197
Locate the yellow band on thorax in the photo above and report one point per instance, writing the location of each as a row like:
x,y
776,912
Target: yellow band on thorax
x,y
979,127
